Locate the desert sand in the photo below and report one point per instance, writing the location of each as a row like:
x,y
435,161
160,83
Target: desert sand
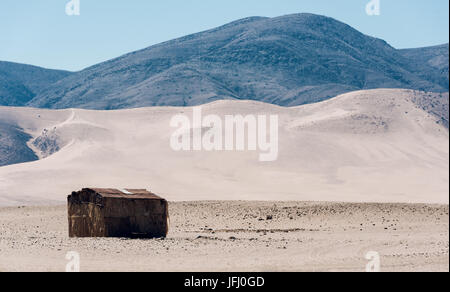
x,y
381,154
366,146
240,236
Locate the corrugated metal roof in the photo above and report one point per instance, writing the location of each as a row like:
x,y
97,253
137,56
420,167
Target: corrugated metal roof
x,y
125,193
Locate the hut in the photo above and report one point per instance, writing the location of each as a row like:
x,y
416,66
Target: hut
x,y
117,213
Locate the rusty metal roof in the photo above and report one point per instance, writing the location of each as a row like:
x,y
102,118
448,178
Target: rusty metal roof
x,y
125,193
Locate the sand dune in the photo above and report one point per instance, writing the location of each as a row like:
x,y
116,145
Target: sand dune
x,y
366,146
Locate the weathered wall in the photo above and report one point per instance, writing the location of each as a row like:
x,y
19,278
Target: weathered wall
x,y
135,218
91,215
86,220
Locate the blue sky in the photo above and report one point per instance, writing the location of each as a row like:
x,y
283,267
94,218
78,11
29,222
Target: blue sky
x,y
39,32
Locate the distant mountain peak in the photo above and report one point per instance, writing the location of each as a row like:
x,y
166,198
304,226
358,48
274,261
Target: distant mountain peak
x,y
288,60
242,21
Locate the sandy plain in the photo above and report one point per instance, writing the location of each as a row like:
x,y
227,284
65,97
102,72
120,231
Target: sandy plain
x,y
240,236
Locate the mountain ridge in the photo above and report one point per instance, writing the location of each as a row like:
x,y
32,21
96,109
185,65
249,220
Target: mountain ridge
x,y
435,56
19,83
288,60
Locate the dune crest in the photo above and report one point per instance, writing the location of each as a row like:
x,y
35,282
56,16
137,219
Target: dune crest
x,y
383,145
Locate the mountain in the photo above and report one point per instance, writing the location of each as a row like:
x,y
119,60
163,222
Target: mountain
x,y
289,61
20,83
13,145
435,57
365,146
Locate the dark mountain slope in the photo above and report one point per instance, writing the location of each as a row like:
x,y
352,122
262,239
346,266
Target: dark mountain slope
x,y
13,145
436,57
289,60
19,83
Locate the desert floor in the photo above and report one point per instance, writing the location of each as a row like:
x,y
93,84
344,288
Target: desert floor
x,y
240,236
